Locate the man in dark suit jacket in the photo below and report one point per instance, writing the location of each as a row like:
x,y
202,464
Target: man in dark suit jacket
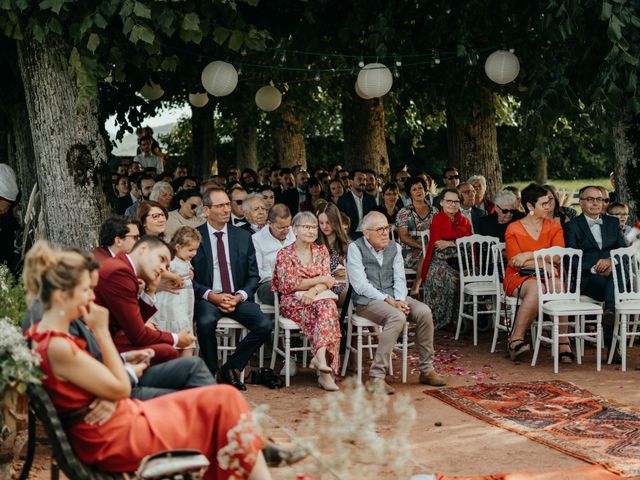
x,y
293,197
117,291
365,203
225,280
596,234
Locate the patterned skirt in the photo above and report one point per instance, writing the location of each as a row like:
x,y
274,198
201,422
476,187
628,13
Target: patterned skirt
x,y
443,287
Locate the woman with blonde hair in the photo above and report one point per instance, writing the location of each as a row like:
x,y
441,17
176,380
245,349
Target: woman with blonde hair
x,y
209,419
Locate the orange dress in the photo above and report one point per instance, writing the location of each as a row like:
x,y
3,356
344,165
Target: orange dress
x,y
199,418
518,240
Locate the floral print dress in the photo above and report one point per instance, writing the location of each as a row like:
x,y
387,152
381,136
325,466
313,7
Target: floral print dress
x,y
318,320
408,217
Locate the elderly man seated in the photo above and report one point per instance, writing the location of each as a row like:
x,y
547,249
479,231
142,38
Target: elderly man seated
x,y
267,243
376,272
255,212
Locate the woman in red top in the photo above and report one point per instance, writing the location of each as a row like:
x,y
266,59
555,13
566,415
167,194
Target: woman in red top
x,y
441,277
522,238
215,420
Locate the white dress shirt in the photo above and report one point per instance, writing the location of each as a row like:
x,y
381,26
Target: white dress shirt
x,y
217,278
467,213
595,225
359,207
267,247
358,276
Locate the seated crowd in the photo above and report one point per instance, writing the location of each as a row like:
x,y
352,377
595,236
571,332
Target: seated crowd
x,y
181,254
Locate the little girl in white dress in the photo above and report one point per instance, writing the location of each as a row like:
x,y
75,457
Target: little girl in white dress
x,y
175,309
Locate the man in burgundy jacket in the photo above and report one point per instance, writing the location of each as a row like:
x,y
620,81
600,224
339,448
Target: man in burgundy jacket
x,y
118,290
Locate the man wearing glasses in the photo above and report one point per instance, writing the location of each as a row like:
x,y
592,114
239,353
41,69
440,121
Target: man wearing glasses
x,y
596,234
450,179
117,234
238,196
375,269
401,178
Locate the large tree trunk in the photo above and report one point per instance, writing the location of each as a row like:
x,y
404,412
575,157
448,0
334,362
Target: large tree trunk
x,y
289,135
204,142
246,140
365,144
20,152
68,147
472,142
626,148
542,173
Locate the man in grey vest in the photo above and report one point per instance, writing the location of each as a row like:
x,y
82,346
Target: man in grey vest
x,y
376,272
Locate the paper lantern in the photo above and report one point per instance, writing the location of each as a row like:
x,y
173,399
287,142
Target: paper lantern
x,y
502,67
151,91
198,100
268,98
375,80
219,78
360,94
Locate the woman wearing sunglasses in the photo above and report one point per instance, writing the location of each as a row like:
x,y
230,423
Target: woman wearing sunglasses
x,y
186,205
496,224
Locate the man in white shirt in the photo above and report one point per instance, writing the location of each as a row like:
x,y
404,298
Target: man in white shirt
x,y
268,242
146,158
375,269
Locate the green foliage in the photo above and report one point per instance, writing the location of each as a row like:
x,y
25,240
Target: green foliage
x,y
18,365
13,302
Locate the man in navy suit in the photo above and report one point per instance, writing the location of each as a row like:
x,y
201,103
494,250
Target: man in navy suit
x,y
596,234
355,203
225,280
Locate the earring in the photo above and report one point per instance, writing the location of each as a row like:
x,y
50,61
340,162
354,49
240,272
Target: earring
x,y
61,313
531,212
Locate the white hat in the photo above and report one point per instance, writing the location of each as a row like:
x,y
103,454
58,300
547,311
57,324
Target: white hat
x,y
8,186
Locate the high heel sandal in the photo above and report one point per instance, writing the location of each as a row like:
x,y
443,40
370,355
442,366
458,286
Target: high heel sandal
x,y
517,348
319,368
566,357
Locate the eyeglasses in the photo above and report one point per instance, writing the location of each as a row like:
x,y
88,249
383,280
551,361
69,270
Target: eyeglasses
x,y
135,237
621,214
451,202
307,228
194,206
594,199
452,177
238,202
380,230
507,211
158,216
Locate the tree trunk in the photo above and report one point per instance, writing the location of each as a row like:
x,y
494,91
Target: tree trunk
x,y
472,142
204,140
20,152
246,139
289,136
365,144
542,175
626,148
69,150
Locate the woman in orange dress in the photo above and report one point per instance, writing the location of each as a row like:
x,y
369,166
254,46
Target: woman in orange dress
x,y
523,237
215,420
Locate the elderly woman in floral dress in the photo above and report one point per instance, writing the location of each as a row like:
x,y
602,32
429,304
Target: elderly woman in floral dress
x,y
302,276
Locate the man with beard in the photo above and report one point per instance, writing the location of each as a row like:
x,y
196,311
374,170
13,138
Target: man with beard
x,y
292,198
355,204
144,186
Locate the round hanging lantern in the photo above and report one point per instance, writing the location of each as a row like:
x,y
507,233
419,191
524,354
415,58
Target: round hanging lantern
x,y
502,67
198,100
360,94
151,91
375,80
268,98
219,78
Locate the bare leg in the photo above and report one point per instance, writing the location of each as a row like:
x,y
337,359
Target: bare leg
x,y
527,310
415,288
260,470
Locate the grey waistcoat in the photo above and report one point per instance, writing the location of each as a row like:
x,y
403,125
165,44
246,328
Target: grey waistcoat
x,y
381,277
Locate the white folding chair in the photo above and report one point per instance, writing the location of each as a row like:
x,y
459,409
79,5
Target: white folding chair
x,y
227,330
476,276
424,239
367,328
282,330
502,299
558,281
625,264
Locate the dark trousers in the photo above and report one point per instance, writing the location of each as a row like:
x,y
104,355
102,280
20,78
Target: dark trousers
x,y
172,376
248,314
602,289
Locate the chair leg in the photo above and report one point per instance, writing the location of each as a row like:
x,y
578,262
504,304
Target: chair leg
x,y
496,326
261,357
369,344
359,354
599,343
405,352
276,339
287,357
579,327
634,331
614,340
536,348
305,346
555,349
475,320
460,312
623,341
347,349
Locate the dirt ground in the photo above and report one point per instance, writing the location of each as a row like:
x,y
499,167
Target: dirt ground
x,y
462,445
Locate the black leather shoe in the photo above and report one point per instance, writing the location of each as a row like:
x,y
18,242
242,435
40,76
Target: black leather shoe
x,y
230,376
277,456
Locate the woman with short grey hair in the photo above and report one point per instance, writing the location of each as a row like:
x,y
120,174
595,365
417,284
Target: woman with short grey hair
x,y
162,192
302,277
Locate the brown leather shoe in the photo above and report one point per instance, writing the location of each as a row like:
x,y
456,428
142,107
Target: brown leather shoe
x,y
378,385
433,379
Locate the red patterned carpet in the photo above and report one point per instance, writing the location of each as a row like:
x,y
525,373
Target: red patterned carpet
x,y
560,415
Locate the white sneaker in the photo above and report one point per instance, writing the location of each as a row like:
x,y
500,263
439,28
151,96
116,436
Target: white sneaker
x,y
293,369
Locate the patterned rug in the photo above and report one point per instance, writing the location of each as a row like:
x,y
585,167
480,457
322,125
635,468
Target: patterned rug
x,y
560,415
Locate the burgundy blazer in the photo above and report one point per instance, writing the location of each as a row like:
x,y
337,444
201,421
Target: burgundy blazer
x,y
117,291
101,254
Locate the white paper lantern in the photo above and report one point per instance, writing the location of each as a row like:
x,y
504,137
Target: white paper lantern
x,y
268,98
219,78
360,94
375,80
198,100
151,91
502,67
